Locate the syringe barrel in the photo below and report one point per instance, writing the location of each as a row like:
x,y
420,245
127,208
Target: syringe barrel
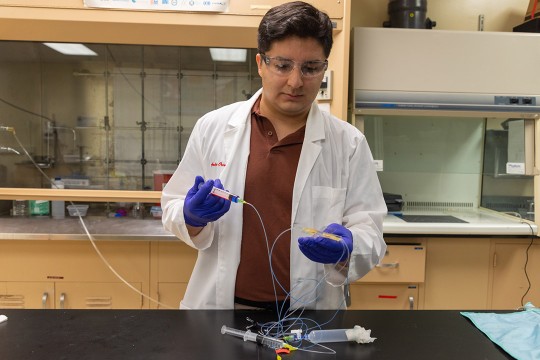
x,y
322,336
233,332
268,341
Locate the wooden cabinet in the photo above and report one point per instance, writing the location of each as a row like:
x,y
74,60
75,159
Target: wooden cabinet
x,y
513,262
69,274
465,273
384,297
172,264
457,273
27,295
395,283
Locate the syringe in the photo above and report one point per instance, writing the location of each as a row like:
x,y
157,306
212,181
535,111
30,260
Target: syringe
x,y
271,342
358,334
224,194
315,232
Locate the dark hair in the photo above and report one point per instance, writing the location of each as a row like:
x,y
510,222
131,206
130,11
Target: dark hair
x,y
295,18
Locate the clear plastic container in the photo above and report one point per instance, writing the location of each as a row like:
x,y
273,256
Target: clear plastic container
x,y
323,336
76,210
58,207
20,208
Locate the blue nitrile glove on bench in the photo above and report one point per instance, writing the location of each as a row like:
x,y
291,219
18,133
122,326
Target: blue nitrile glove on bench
x,y
328,251
200,207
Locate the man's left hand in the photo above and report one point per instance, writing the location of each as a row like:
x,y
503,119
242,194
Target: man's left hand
x,y
328,251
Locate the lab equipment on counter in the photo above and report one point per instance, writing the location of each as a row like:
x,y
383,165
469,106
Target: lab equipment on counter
x,y
58,207
358,334
77,210
268,341
39,208
20,208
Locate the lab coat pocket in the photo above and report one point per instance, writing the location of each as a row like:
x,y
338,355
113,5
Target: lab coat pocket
x,y
328,205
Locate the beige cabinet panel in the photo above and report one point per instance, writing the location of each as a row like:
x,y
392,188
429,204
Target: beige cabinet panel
x,y
175,261
26,295
457,273
31,260
171,294
334,9
73,275
509,279
384,297
401,264
81,295
253,7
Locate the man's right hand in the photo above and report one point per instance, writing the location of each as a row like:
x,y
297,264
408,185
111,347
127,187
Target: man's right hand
x,y
200,207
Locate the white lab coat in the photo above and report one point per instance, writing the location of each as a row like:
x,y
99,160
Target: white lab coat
x,y
335,182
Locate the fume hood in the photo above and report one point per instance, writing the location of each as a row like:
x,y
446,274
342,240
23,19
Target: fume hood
x,y
460,73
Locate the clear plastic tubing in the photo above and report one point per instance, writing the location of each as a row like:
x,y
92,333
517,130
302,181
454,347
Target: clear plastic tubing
x,y
268,341
323,336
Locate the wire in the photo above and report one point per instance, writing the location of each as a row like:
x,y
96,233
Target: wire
x,y
526,263
90,237
24,110
286,322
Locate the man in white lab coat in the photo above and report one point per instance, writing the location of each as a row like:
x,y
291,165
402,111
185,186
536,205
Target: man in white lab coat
x,y
297,166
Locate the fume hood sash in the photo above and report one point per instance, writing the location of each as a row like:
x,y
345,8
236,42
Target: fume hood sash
x,y
465,72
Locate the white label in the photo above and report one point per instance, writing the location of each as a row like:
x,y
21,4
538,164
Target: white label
x,y
378,165
515,168
174,5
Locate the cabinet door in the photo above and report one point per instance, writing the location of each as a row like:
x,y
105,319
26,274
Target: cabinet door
x,y
457,273
384,297
170,294
509,280
85,295
26,295
401,264
175,261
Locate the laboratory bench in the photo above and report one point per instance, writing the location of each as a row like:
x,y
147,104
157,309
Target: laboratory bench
x,y
477,264
467,222
195,334
70,228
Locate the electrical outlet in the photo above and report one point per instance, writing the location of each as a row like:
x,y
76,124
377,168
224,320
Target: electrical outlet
x,y
325,92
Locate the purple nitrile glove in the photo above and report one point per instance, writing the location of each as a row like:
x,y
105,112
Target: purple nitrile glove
x,y
328,251
200,207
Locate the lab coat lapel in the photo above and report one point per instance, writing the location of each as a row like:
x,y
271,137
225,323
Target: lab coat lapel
x,y
310,152
236,143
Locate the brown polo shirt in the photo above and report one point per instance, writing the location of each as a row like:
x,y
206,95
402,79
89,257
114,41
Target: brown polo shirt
x,y
271,171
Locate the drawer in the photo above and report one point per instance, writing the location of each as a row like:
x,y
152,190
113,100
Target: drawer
x,y
401,264
384,297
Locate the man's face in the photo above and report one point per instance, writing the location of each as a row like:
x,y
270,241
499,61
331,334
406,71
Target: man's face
x,y
290,95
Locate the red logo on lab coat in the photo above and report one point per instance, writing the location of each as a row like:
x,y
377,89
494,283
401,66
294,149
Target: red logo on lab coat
x,y
217,164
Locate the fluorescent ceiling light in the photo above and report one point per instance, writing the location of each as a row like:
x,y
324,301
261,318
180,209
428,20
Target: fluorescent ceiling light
x,y
235,55
71,49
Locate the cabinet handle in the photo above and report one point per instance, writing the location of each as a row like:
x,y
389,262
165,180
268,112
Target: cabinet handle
x,y
347,294
62,300
44,298
411,303
393,265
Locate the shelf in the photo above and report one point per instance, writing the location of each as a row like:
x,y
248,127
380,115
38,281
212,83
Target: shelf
x,y
80,195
